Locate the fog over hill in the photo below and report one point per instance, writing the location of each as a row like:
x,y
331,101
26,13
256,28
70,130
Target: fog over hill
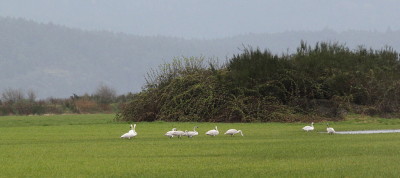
x,y
57,61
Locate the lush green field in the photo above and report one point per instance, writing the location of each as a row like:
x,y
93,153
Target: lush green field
x,y
89,146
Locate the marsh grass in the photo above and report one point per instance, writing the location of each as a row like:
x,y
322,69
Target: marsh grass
x,y
89,146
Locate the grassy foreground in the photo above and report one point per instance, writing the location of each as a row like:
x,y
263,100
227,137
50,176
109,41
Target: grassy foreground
x,y
89,146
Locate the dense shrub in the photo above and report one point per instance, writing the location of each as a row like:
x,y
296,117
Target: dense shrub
x,y
321,82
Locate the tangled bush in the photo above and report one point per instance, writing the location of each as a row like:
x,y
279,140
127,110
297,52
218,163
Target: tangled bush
x,y
324,82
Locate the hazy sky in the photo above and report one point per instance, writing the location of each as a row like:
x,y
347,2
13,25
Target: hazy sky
x,y
209,18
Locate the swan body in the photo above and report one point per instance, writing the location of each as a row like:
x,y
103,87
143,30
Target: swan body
x,y
309,128
185,133
131,133
213,132
190,134
233,132
330,130
178,133
170,133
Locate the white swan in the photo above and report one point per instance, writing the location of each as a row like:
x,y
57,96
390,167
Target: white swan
x,y
190,134
185,133
330,130
131,133
178,133
233,132
170,133
213,132
309,128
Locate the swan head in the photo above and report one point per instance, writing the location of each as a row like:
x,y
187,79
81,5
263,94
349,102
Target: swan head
x,y
216,128
327,124
241,133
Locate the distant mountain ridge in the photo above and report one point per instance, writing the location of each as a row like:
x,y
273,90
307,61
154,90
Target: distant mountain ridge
x,y
57,61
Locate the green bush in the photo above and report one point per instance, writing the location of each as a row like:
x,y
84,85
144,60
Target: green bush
x,y
321,82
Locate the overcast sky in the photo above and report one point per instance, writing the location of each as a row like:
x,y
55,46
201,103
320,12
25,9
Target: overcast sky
x,y
207,19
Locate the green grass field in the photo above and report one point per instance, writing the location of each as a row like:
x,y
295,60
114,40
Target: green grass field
x,y
89,146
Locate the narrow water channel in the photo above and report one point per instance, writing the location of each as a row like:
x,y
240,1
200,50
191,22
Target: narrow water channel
x,y
368,131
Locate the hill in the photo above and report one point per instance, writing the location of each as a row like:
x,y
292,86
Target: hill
x,y
57,61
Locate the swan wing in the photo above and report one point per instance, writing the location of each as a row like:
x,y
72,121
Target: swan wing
x,y
330,130
192,133
169,134
231,131
308,128
178,133
212,132
209,132
125,135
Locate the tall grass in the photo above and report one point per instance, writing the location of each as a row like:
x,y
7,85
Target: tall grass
x,y
90,147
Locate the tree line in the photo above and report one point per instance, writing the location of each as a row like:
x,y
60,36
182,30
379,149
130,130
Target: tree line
x,y
103,100
320,82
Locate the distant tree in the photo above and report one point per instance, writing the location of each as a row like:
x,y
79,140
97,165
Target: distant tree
x,y
74,97
105,94
12,95
31,95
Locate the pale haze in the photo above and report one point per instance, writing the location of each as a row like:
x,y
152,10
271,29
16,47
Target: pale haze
x,y
207,19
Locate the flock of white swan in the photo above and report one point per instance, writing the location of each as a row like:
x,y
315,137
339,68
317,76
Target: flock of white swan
x,y
214,132
179,133
308,128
